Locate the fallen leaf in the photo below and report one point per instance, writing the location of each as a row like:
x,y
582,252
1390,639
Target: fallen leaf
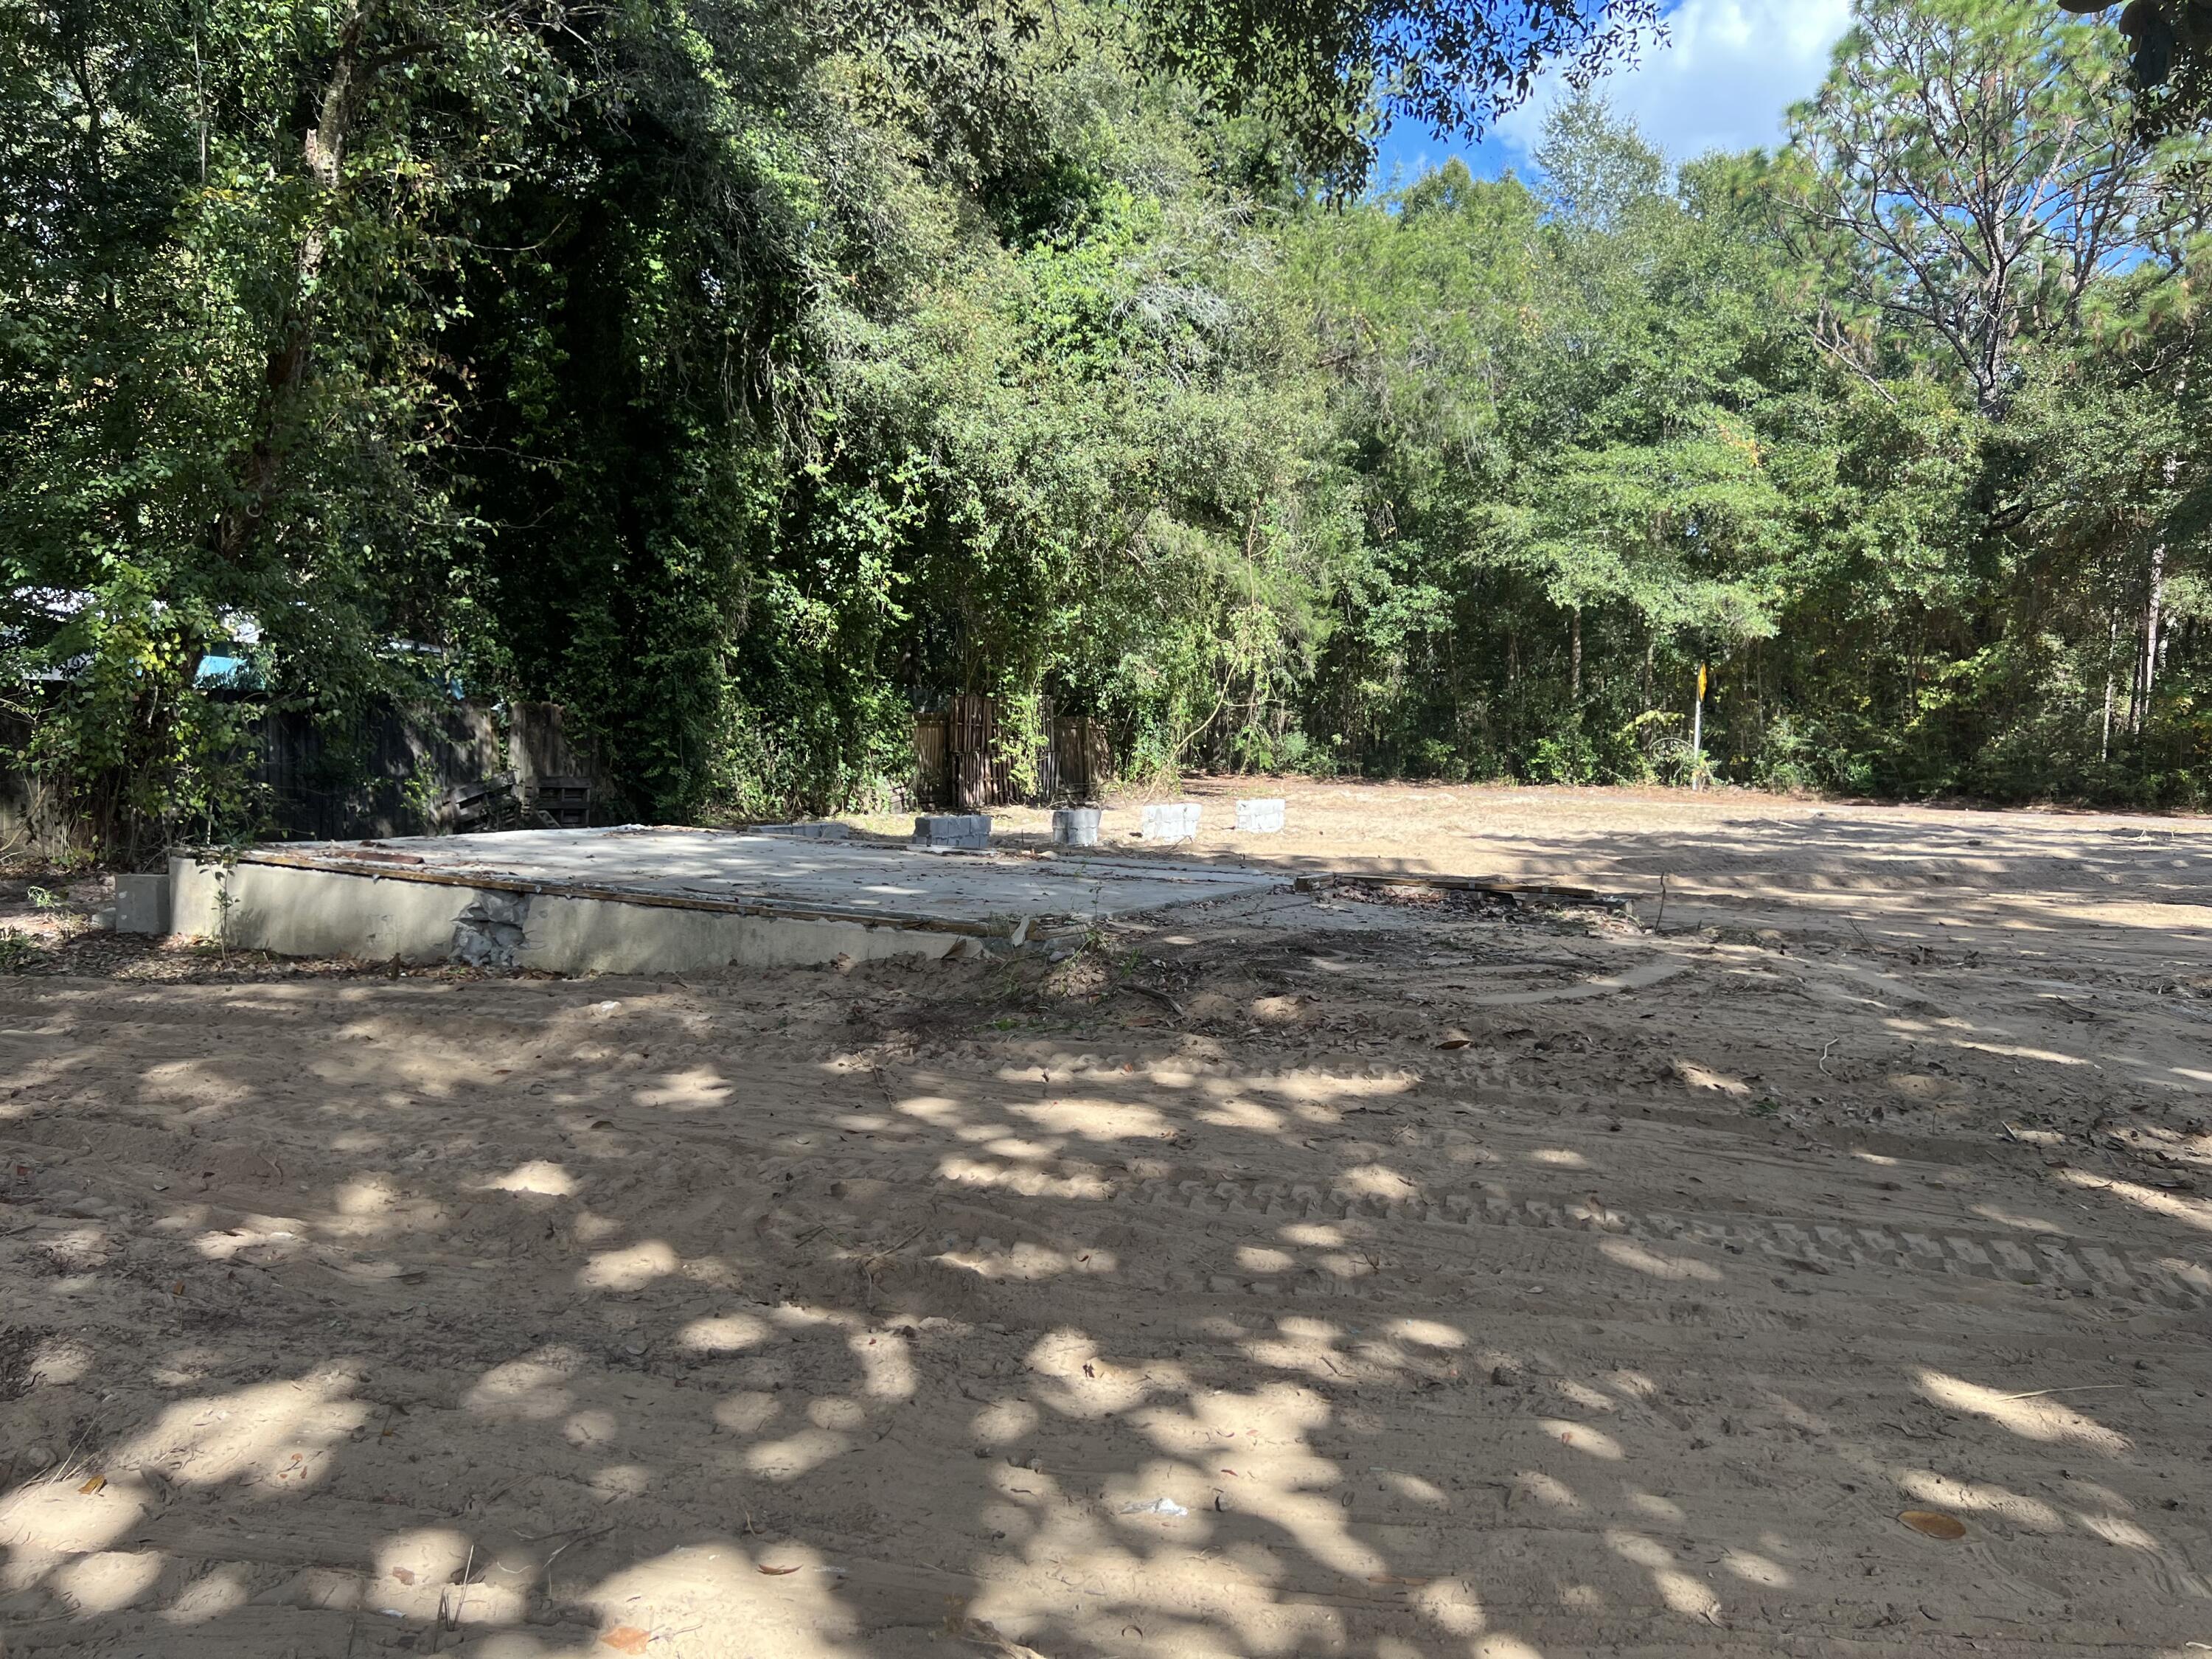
x,y
1454,1043
405,1575
1933,1523
626,1639
93,1484
774,1572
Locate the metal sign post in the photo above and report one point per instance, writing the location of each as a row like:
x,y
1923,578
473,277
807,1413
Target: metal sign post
x,y
1697,731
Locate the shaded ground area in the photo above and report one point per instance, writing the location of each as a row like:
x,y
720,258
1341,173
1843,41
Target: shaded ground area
x,y
1350,1272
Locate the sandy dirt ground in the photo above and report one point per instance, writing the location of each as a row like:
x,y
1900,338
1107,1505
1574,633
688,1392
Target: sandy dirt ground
x,y
1823,1268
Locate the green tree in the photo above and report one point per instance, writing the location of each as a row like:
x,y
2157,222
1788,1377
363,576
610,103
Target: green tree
x,y
2170,54
1968,171
228,230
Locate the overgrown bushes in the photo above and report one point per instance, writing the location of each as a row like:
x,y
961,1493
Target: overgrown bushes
x,y
745,377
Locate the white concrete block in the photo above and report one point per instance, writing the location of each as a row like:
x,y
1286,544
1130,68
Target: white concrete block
x,y
142,904
1260,817
1076,826
1174,822
963,830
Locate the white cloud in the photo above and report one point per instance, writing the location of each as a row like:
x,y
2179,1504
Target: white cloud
x,y
1728,71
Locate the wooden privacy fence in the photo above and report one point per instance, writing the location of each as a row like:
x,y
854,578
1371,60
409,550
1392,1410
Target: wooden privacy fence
x,y
427,767
959,762
393,768
556,772
933,762
382,773
1080,762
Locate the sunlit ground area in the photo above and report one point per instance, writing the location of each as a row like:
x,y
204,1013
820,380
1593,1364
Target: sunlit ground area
x,y
1822,1266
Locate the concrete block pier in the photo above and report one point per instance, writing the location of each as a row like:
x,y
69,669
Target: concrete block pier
x,y
1171,824
966,831
1260,817
1076,826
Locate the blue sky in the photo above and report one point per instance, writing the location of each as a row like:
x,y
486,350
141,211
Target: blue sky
x,y
1722,82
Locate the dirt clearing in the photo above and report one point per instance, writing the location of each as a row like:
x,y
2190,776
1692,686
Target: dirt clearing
x,y
1825,1269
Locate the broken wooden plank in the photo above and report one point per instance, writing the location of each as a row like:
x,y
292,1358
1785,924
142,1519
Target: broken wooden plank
x,y
1498,886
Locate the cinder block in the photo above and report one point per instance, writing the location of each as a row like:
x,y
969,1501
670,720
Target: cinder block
x,y
142,904
1260,817
960,829
1075,826
1176,822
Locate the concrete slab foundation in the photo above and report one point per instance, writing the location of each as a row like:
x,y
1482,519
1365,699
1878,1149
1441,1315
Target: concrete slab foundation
x,y
659,900
1176,822
1260,817
810,829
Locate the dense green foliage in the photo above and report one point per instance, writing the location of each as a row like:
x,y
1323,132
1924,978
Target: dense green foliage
x,y
746,376
2169,56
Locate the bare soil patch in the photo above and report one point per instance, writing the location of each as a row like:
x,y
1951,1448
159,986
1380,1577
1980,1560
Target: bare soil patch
x,y
1345,1271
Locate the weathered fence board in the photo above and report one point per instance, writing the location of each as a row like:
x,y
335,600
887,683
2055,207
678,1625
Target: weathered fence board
x,y
556,772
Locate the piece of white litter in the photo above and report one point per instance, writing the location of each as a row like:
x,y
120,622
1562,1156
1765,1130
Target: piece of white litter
x,y
1158,1506
605,1007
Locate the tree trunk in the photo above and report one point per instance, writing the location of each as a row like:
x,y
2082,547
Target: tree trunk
x,y
1575,654
2148,642
2112,640
259,471
2153,644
